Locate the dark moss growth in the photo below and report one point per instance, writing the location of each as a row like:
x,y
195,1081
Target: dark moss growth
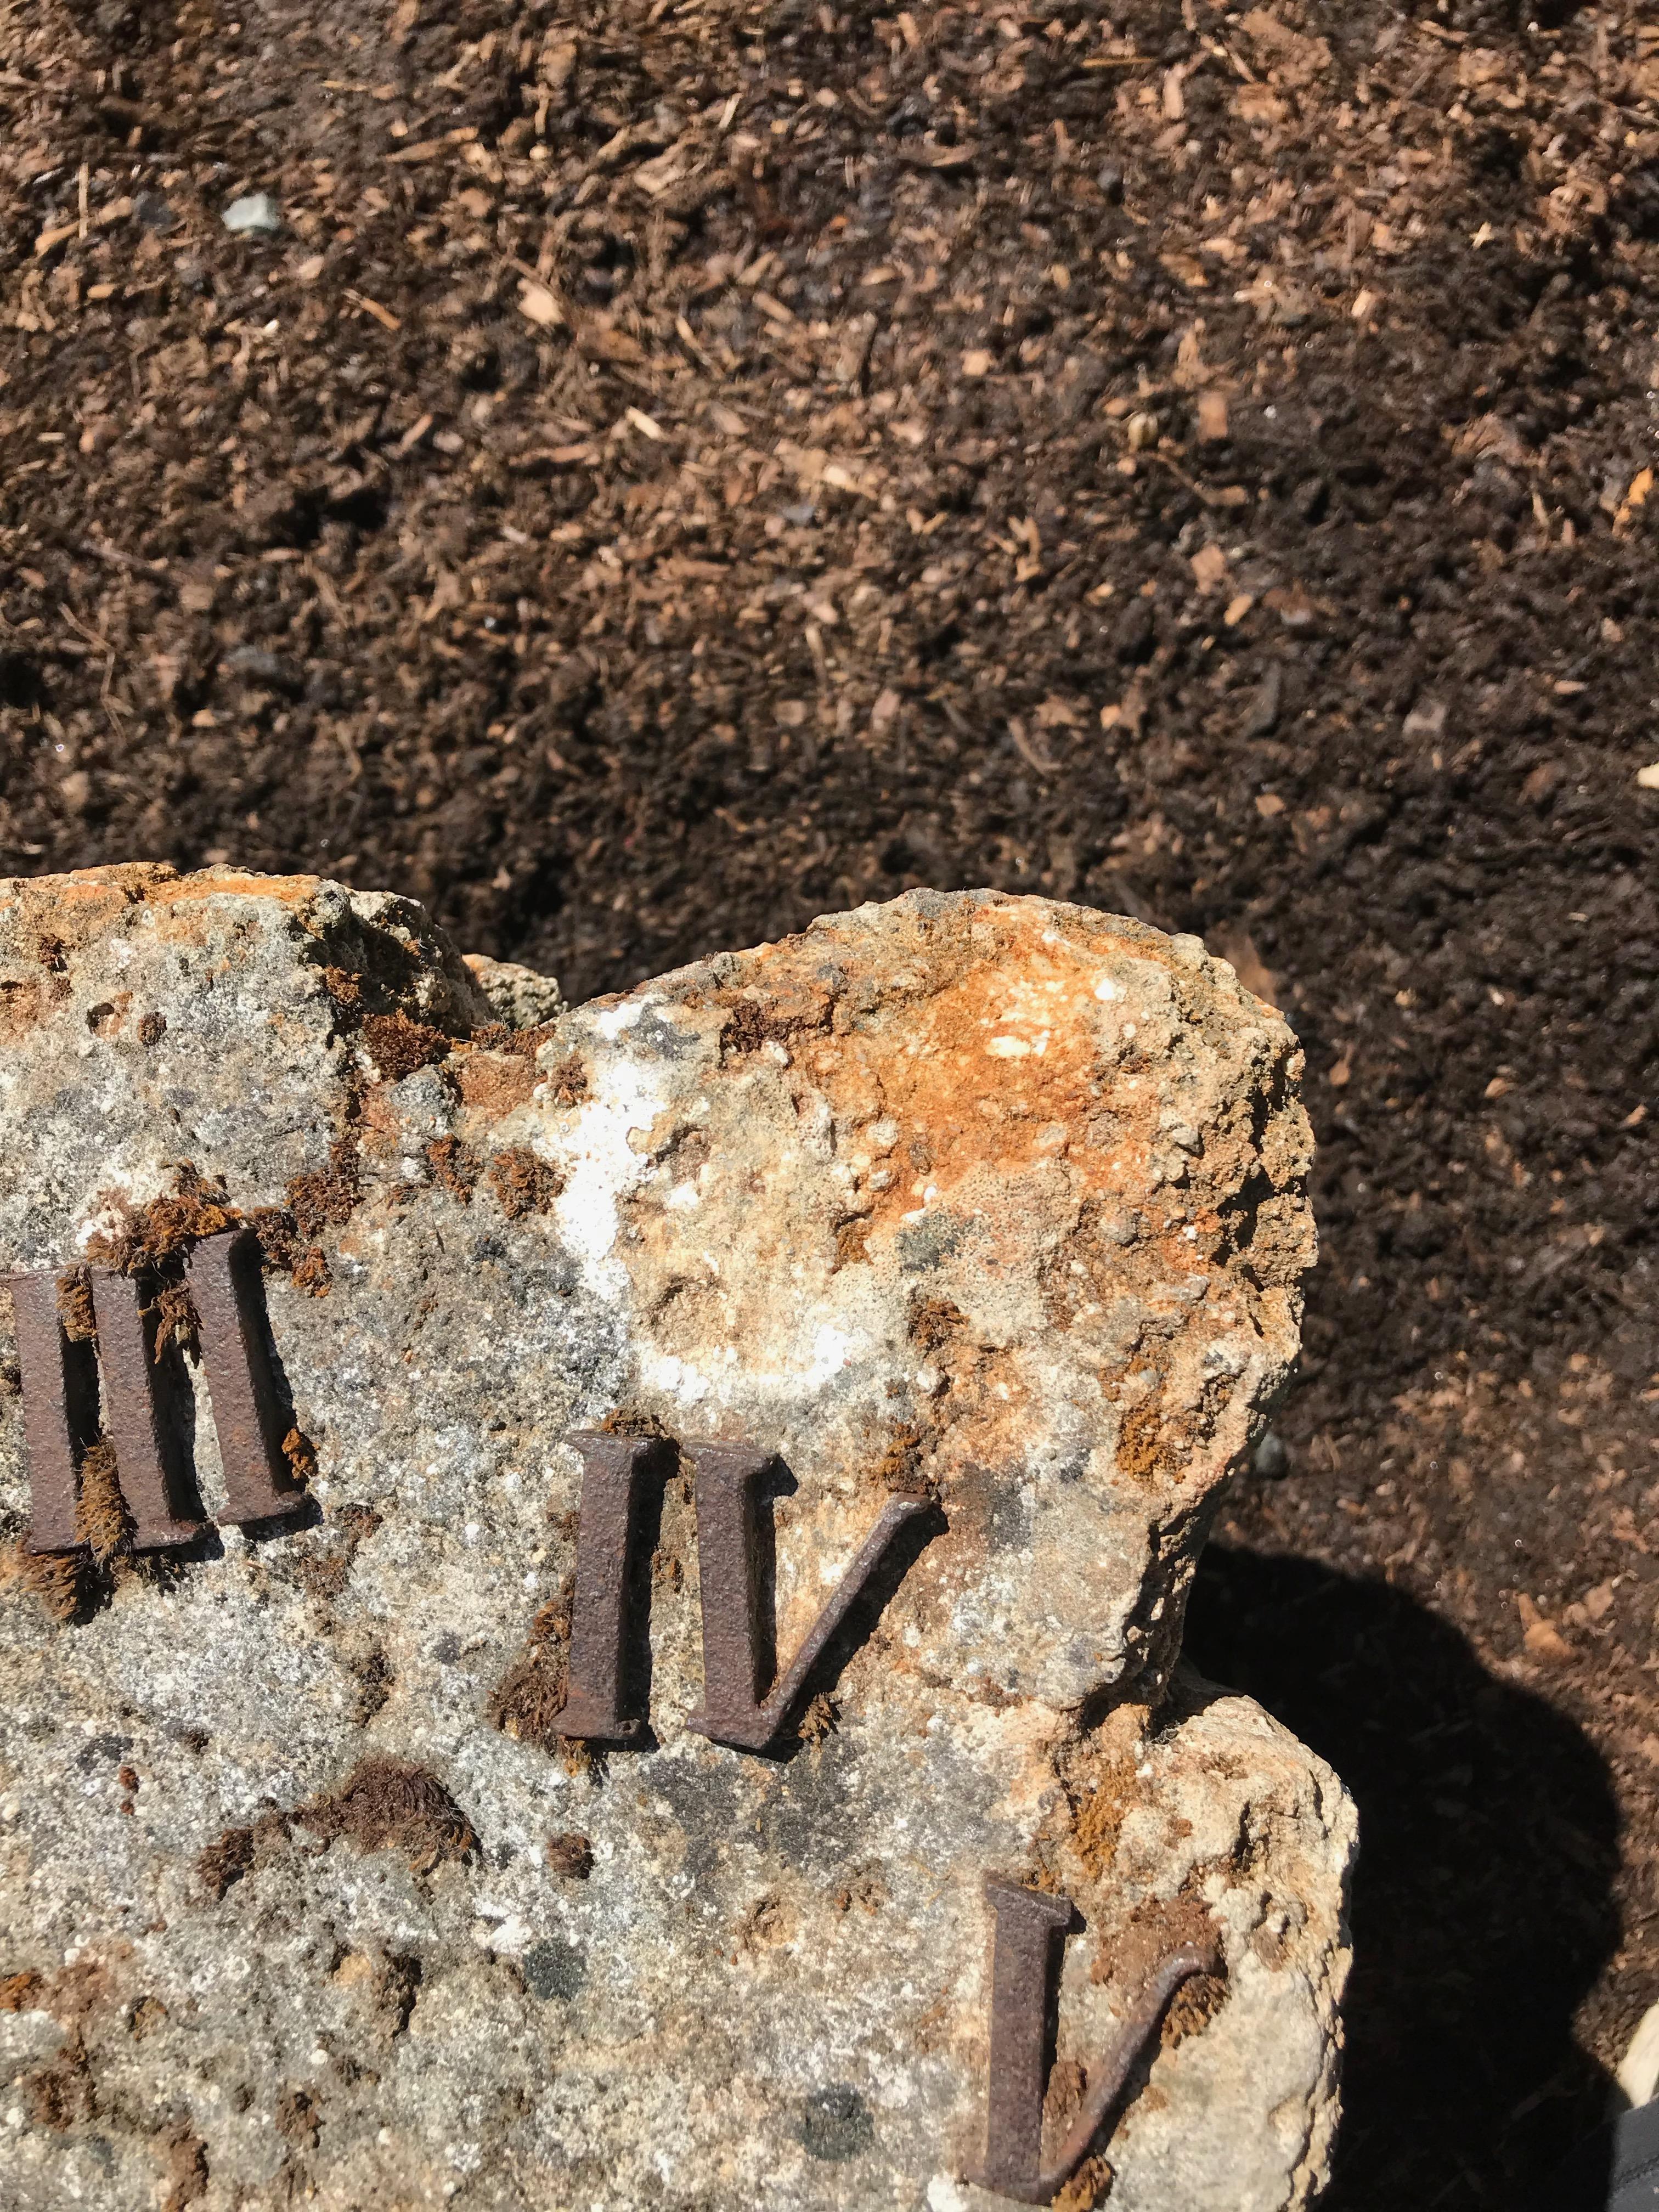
x,y
523,1184
390,1804
101,1520
455,1167
75,1306
525,1703
570,1854
398,1046
328,1196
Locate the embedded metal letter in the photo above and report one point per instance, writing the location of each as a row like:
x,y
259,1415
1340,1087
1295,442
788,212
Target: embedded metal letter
x,y
1030,1927
248,1414
60,1410
598,1697
136,1418
733,1710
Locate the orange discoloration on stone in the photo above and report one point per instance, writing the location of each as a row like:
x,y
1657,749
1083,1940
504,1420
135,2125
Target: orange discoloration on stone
x,y
991,1075
242,883
493,1083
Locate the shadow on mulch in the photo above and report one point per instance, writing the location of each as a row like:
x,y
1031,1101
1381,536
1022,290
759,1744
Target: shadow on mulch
x,y
1483,1902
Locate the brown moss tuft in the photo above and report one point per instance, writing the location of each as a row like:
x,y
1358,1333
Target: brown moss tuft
x,y
273,1226
1193,2006
744,1029
311,1272
166,1228
1154,1930
61,1580
298,2119
819,1719
389,1804
196,1209
61,2092
932,1320
145,2017
329,1195
1088,2188
899,1473
632,1421
186,2175
101,1520
24,1992
852,1242
1144,1451
302,1456
344,989
567,1084
152,1027
800,1005
1102,1785
177,1319
525,1703
570,1854
225,1862
455,1167
523,1184
398,1046
75,1306
326,1573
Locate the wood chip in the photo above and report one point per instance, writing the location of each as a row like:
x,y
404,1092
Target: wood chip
x,y
1209,566
383,316
540,304
117,211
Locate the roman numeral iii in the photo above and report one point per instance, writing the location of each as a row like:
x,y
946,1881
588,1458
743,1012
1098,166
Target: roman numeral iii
x,y
126,1388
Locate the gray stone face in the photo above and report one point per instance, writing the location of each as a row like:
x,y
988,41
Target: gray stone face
x,y
987,1202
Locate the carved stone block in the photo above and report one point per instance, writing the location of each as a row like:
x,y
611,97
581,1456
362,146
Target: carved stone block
x,y
594,1610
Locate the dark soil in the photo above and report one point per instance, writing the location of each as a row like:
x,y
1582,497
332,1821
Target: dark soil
x,y
679,468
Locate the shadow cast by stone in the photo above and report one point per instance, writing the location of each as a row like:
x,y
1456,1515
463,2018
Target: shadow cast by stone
x,y
1483,1906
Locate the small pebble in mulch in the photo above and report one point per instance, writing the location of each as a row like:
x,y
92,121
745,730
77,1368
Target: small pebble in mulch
x,y
1271,1461
257,215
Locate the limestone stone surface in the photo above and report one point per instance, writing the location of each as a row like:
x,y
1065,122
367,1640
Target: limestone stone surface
x,y
982,1198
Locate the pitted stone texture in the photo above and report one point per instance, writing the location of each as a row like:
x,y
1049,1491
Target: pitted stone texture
x,y
907,1199
522,997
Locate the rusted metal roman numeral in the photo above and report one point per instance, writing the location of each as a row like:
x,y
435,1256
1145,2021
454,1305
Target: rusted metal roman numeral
x,y
599,1698
60,1410
248,1415
141,1415
736,1708
1030,1928
142,1400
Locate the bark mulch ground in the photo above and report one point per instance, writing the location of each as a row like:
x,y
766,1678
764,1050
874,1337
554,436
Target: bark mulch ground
x,y
676,467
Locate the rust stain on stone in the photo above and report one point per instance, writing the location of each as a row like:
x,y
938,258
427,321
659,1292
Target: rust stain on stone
x,y
995,1068
235,883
